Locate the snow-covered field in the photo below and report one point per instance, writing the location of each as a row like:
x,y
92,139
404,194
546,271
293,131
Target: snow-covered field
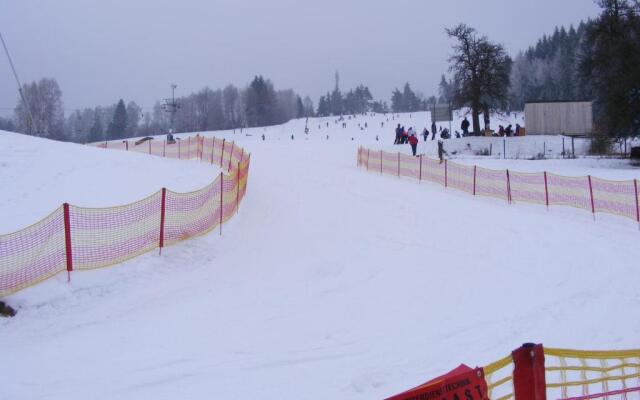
x,y
331,283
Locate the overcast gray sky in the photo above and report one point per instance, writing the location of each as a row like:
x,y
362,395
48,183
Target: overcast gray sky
x,y
100,51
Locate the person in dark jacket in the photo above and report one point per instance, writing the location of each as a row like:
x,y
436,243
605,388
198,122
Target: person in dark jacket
x,y
508,130
425,134
434,129
398,134
441,151
413,141
465,127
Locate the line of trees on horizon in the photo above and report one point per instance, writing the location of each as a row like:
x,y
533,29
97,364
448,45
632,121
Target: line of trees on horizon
x,y
597,60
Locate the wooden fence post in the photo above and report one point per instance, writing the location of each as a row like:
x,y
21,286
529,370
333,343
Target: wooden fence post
x,y
222,153
546,190
231,155
446,177
475,167
368,154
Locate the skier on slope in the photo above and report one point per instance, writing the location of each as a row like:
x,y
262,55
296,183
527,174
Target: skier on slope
x,y
413,141
398,135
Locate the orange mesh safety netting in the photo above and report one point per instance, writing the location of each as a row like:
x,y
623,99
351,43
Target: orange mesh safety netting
x,y
588,193
78,238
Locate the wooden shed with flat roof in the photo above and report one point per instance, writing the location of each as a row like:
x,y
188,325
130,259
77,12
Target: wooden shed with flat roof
x,y
573,118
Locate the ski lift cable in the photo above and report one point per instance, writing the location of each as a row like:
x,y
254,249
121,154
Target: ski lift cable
x,y
15,74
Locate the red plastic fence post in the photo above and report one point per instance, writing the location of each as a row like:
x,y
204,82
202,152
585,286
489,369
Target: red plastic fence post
x,y
67,240
222,153
164,148
126,144
635,185
546,190
221,198
179,150
231,155
508,187
189,148
420,176
529,381
446,177
593,207
474,179
238,188
398,164
163,204
380,162
201,146
149,147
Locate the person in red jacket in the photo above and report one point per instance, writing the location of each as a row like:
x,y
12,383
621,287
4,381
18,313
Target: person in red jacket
x,y
413,141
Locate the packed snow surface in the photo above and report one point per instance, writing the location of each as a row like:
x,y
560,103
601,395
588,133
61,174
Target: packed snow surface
x,y
330,283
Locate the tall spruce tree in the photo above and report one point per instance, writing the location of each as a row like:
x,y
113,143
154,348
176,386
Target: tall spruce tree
x,y
611,63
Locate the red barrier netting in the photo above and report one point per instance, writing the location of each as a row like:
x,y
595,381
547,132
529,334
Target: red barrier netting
x,y
588,193
569,191
433,170
528,187
410,166
85,238
33,254
106,236
460,177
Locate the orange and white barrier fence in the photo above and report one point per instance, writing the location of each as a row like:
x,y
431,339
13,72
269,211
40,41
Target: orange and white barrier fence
x,y
77,238
533,372
588,192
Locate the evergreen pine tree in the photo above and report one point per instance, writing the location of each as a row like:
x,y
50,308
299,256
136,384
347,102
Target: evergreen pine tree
x,y
118,126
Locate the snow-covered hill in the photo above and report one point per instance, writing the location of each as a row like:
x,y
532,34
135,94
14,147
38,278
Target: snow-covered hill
x,y
330,283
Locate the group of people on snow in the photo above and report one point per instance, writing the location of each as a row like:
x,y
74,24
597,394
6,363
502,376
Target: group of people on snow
x,y
404,136
409,136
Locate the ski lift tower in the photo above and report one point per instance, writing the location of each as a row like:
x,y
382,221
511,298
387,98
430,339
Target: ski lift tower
x,y
171,106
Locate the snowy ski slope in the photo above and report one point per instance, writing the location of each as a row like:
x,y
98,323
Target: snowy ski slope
x,y
331,283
